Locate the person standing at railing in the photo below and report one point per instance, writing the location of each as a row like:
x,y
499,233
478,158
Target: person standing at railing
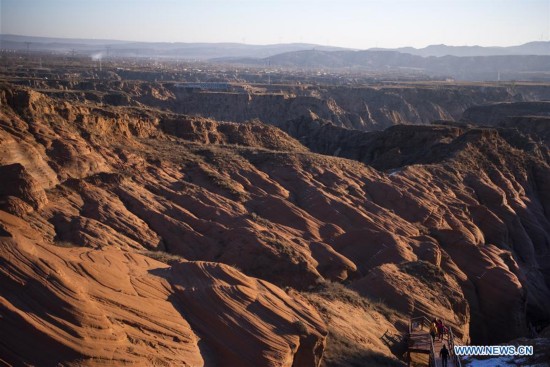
x,y
433,329
440,329
444,354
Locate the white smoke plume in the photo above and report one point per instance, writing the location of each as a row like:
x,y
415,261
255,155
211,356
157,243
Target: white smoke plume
x,y
98,56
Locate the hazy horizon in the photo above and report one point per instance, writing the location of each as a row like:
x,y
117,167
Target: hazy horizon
x,y
350,23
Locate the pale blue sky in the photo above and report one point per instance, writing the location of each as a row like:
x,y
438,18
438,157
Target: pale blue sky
x,y
349,23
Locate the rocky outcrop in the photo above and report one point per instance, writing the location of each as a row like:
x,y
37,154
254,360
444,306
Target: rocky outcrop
x,y
452,221
252,134
365,108
294,334
394,147
496,114
18,185
87,307
362,108
530,118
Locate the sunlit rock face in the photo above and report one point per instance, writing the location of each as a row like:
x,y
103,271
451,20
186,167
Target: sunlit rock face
x,y
144,236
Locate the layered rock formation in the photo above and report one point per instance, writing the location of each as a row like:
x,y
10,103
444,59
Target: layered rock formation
x,y
80,306
453,222
360,106
363,108
530,118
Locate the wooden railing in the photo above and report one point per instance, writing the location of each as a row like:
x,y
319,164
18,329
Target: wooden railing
x,y
451,343
421,323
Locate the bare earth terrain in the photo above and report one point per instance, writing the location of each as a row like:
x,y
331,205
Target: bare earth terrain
x,y
149,218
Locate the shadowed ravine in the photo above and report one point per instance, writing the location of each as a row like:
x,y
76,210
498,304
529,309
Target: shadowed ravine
x,y
132,233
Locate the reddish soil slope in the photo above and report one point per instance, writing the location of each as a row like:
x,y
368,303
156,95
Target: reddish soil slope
x,y
255,237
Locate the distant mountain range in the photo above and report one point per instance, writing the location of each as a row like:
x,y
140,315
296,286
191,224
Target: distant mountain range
x,y
531,48
206,51
201,51
530,61
490,68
